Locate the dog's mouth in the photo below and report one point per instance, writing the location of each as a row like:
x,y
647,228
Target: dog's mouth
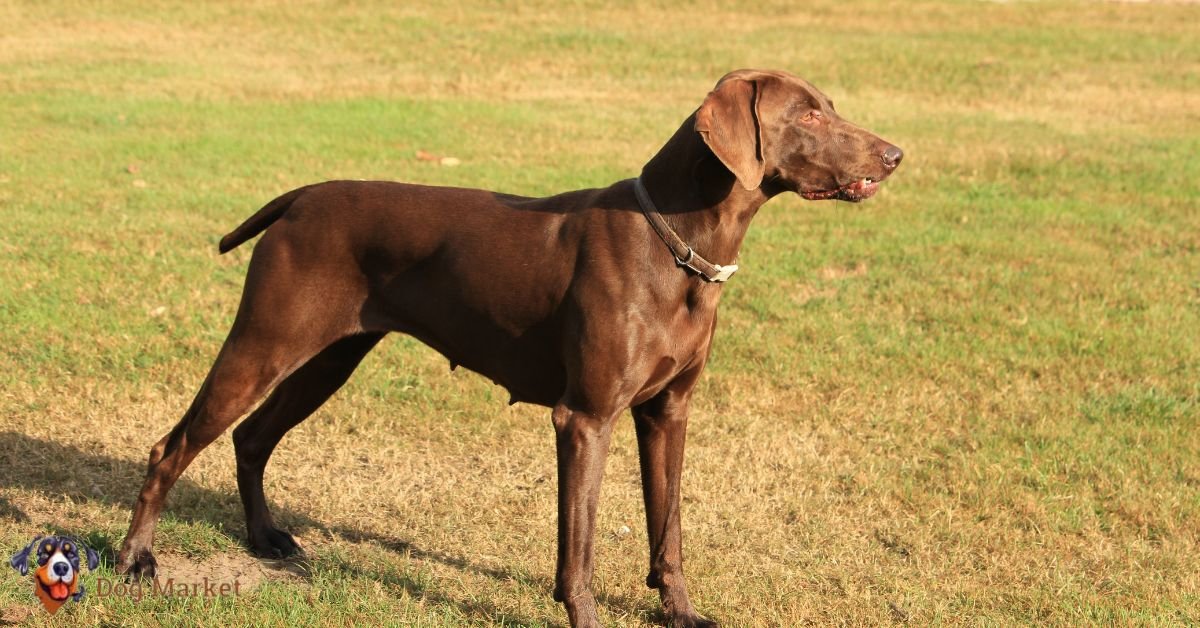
x,y
855,191
58,591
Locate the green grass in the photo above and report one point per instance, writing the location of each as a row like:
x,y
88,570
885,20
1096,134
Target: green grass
x,y
971,400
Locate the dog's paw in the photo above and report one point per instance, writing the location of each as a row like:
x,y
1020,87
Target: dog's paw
x,y
137,565
274,543
691,620
581,610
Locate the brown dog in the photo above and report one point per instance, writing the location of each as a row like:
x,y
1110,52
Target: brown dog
x,y
589,302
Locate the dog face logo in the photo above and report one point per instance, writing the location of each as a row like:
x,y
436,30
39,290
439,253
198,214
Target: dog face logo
x,y
56,575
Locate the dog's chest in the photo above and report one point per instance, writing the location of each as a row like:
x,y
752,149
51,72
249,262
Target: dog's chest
x,y
688,324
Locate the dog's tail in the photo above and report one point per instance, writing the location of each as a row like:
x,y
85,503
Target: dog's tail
x,y
259,221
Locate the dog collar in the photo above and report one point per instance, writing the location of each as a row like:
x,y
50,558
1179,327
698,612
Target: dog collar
x,y
684,255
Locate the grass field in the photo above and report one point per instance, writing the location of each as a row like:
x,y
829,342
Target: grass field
x,y
971,400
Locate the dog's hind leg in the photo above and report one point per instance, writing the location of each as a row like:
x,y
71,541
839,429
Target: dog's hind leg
x,y
293,400
286,317
237,380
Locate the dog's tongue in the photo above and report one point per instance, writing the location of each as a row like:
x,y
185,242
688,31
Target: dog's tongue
x,y
59,591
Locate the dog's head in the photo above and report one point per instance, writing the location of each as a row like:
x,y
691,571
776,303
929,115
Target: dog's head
x,y
773,129
56,574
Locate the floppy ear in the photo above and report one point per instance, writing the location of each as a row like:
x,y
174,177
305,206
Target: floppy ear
x,y
20,560
93,559
728,121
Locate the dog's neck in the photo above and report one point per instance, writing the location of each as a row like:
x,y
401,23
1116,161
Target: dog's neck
x,y
699,197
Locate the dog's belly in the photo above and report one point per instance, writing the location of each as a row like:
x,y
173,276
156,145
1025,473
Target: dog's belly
x,y
523,365
504,336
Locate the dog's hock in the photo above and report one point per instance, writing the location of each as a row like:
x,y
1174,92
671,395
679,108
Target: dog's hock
x,y
729,123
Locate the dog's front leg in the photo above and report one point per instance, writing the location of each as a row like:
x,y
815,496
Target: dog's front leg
x,y
583,439
661,424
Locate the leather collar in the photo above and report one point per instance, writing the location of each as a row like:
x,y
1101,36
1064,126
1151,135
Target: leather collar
x,y
684,255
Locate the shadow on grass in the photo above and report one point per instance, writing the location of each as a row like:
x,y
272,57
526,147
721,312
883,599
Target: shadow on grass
x,y
414,587
8,511
58,469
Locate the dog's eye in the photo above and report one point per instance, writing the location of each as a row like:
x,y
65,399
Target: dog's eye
x,y
811,117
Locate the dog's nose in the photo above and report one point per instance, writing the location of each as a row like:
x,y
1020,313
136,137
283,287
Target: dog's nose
x,y
892,156
61,569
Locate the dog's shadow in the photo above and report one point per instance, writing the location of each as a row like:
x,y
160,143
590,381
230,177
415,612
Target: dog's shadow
x,y
62,470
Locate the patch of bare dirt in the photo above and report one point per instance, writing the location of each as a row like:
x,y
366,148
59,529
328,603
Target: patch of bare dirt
x,y
13,615
234,568
843,272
